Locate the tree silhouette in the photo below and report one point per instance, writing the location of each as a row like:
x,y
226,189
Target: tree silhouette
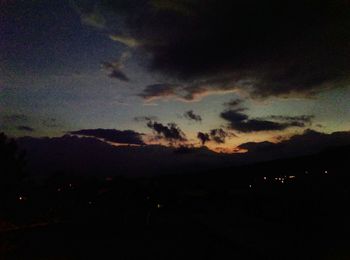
x,y
11,165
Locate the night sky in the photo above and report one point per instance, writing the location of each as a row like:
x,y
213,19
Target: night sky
x,y
161,71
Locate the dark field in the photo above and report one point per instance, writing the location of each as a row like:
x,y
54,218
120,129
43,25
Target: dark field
x,y
286,209
250,216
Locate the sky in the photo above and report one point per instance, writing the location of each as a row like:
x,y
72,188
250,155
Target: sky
x,y
180,72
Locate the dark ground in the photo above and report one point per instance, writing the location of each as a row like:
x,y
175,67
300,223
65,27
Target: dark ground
x,y
290,209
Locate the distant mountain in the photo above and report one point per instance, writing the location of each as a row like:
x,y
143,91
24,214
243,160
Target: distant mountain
x,y
310,142
329,160
82,155
85,155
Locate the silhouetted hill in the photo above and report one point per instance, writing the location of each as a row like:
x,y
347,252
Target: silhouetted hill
x,y
309,142
332,162
328,160
85,155
77,155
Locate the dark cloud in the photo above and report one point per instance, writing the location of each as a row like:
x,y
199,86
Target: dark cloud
x,y
203,137
158,90
25,128
145,118
308,142
218,135
118,74
233,103
236,115
241,122
273,47
190,115
303,118
170,132
189,91
115,71
112,135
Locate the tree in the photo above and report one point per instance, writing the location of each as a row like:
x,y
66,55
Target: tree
x,y
11,165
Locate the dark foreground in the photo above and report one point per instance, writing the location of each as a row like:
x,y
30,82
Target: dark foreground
x,y
294,209
247,224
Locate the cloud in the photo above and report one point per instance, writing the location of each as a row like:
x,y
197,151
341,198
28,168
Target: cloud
x,y
115,71
265,47
118,74
112,135
145,118
170,132
89,14
130,42
25,128
234,103
308,142
218,135
190,91
241,122
307,119
190,115
203,137
93,19
158,90
115,68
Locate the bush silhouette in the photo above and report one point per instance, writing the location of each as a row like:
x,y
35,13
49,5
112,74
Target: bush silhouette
x,y
11,165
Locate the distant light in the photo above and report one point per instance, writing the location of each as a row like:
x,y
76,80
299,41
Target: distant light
x,y
282,181
306,172
90,202
291,177
22,198
250,185
59,189
159,206
70,185
265,178
326,172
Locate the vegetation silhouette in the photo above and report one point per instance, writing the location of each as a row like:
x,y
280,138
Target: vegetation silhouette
x,y
12,162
